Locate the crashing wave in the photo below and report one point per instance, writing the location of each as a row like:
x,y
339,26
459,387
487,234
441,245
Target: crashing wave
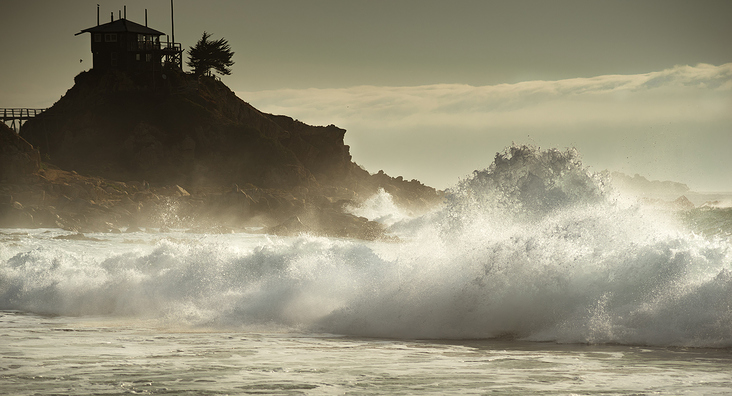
x,y
533,247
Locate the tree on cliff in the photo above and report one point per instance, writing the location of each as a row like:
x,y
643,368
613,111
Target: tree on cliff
x,y
210,54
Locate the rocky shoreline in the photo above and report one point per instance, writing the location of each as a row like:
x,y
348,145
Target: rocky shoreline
x,y
193,156
66,200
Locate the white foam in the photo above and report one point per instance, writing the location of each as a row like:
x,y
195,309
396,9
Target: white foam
x,y
380,208
496,261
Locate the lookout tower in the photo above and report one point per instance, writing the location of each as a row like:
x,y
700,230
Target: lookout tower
x,y
128,46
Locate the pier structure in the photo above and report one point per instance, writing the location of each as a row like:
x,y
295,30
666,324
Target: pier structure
x,y
17,116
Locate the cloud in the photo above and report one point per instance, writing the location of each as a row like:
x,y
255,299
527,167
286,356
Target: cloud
x,y
683,92
596,113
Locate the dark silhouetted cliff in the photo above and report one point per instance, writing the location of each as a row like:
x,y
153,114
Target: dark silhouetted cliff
x,y
194,146
193,132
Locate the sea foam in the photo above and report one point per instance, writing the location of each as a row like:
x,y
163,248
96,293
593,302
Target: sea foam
x,y
534,247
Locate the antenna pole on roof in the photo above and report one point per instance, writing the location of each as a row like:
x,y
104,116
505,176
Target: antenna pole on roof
x,y
172,23
145,17
97,14
111,16
125,12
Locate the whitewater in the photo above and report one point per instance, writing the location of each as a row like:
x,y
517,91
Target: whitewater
x,y
534,276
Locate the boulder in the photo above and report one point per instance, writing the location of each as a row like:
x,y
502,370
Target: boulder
x,y
19,161
682,203
291,226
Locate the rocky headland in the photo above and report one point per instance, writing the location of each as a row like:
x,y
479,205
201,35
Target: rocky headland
x,y
117,153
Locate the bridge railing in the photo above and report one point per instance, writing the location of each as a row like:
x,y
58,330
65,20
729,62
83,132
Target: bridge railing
x,y
11,114
18,114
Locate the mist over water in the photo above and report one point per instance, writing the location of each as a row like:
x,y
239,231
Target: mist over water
x,y
534,247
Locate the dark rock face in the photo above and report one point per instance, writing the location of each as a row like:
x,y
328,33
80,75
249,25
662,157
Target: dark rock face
x,y
196,133
183,150
18,159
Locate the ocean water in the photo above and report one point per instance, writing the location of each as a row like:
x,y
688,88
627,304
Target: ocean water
x,y
534,277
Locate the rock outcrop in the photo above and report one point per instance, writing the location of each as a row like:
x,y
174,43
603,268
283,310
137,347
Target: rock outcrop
x,y
639,185
193,133
191,154
19,163
18,159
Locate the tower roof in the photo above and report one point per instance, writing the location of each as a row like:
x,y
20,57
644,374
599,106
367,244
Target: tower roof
x,y
121,26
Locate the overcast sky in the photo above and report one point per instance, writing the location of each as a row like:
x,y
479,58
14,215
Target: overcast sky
x,y
433,89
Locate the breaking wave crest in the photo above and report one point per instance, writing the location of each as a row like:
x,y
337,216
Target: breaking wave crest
x,y
534,247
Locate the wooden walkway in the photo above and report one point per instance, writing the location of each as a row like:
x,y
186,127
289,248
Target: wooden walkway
x,y
18,114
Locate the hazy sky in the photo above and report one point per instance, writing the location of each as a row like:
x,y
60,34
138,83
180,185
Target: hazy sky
x,y
432,89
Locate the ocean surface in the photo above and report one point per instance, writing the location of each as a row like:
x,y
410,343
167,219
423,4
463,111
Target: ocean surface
x,y
534,277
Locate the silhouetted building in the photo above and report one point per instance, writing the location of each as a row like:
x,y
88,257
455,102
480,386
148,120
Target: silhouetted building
x,y
129,46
